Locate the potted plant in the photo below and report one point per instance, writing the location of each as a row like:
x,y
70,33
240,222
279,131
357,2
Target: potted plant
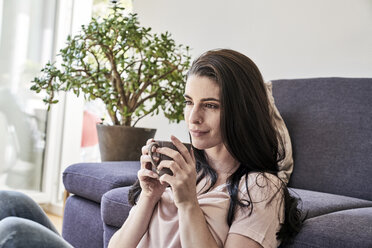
x,y
133,71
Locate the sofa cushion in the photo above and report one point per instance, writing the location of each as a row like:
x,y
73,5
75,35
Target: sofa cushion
x,y
115,206
92,180
108,231
82,223
343,229
329,120
318,203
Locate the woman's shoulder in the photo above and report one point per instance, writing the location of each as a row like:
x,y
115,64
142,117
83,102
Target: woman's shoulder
x,y
260,186
261,179
263,210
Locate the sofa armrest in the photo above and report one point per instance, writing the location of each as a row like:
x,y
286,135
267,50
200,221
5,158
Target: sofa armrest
x,y
92,180
115,207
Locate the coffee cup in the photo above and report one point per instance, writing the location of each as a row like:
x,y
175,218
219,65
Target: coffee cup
x,y
155,163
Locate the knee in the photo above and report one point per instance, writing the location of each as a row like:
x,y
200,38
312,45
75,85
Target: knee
x,y
10,229
20,232
14,232
11,225
9,197
12,199
14,203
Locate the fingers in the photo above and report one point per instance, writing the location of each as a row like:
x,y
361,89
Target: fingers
x,y
143,173
145,159
170,164
183,150
172,181
149,141
167,180
145,149
146,162
182,156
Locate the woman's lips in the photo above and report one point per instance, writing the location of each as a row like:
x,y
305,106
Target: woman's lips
x,y
198,133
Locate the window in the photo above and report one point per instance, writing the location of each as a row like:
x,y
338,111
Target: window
x,y
26,43
35,143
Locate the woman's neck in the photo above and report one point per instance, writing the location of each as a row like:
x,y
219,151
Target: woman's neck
x,y
221,161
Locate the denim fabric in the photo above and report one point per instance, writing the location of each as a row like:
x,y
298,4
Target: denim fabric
x,y
24,224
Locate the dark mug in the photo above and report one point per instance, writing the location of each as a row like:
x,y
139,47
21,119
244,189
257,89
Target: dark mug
x,y
160,143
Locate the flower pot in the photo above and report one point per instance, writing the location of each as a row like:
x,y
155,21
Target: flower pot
x,y
122,143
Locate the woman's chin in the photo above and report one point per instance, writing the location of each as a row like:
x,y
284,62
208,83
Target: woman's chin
x,y
200,145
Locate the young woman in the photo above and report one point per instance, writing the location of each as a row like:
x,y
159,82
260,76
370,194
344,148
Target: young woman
x,y
226,192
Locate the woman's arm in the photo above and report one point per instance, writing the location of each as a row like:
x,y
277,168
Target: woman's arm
x,y
133,229
130,234
194,231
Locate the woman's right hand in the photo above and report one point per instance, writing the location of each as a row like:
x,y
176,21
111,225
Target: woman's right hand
x,y
149,180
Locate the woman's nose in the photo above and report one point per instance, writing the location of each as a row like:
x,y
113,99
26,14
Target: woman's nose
x,y
195,116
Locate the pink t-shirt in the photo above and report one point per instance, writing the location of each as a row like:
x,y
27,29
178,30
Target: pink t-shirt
x,y
261,226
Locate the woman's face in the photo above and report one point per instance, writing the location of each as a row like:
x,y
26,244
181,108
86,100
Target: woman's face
x,y
202,112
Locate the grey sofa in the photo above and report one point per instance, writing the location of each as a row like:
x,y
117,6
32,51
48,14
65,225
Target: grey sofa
x,y
330,123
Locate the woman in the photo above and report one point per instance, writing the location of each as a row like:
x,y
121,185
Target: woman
x,y
226,192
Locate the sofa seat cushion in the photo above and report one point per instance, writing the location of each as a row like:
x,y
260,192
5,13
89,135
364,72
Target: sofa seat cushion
x,y
343,229
115,207
82,224
318,203
92,180
108,231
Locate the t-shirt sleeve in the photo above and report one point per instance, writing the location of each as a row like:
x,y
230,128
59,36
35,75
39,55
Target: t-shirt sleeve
x,y
263,221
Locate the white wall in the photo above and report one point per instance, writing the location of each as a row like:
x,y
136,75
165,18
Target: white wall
x,y
286,38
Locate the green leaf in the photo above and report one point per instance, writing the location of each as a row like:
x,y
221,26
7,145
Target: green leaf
x,y
118,45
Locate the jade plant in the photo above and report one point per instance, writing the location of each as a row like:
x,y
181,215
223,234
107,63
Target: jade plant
x,y
133,71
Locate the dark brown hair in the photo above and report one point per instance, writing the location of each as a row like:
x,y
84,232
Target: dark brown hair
x,y
246,121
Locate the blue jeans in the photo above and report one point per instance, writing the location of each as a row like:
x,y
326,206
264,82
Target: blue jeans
x,y
24,224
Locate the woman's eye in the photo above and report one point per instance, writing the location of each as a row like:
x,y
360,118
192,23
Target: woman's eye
x,y
212,106
187,102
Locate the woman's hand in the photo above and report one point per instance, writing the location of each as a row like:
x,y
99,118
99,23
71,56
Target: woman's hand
x,y
149,181
183,181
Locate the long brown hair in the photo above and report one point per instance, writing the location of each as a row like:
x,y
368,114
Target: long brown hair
x,y
245,122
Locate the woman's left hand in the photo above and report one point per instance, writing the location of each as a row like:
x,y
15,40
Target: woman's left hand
x,y
183,181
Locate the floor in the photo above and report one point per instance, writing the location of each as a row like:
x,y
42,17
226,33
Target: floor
x,y
57,221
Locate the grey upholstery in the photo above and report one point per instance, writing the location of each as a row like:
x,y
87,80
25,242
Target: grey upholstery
x,y
318,203
329,120
330,124
343,229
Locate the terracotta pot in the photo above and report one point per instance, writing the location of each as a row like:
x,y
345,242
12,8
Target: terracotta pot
x,y
122,143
